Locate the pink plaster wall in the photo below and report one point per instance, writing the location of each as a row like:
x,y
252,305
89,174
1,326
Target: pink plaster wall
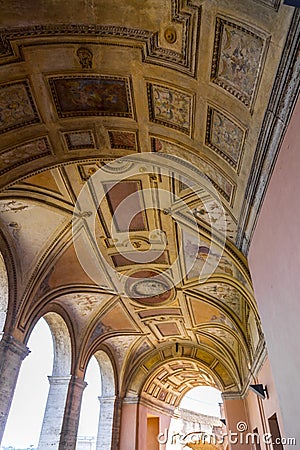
x,y
128,431
133,432
274,261
235,413
258,410
142,428
164,423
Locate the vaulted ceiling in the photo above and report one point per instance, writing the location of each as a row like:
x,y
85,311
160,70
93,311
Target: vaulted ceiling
x,y
158,278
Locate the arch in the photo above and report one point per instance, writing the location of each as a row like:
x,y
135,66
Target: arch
x,y
30,386
224,373
169,383
59,382
62,348
107,401
195,423
89,409
162,394
108,385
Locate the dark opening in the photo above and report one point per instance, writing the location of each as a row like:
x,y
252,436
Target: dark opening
x,y
275,432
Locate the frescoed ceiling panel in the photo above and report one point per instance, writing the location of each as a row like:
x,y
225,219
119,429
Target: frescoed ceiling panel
x,y
237,61
17,215
147,258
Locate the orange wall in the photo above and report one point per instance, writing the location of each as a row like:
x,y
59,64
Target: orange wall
x,y
274,260
134,426
152,433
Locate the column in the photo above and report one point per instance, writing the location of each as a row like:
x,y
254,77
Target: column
x,y
115,441
106,419
54,412
69,429
12,353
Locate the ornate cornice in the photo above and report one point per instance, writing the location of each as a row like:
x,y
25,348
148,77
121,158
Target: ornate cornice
x,y
185,13
279,111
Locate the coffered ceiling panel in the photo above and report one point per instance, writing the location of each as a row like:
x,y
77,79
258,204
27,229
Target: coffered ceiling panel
x,y
127,138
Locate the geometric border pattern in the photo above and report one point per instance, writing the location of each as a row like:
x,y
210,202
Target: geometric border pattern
x,y
211,170
274,4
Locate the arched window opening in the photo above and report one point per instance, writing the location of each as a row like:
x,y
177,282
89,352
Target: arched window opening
x,y
203,400
27,410
58,382
3,294
61,344
97,405
89,415
196,419
107,401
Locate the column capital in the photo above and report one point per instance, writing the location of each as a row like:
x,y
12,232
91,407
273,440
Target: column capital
x,y
78,382
59,379
10,343
103,399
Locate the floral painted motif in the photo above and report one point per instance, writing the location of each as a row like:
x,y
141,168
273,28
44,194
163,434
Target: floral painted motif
x,y
121,345
224,336
14,206
16,106
223,320
237,60
224,136
170,107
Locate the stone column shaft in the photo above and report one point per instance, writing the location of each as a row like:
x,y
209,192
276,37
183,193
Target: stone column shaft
x,y
12,353
69,428
54,412
106,418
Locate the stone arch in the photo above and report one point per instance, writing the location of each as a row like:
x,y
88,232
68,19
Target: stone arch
x,y
162,389
224,373
62,349
171,380
59,382
107,401
108,384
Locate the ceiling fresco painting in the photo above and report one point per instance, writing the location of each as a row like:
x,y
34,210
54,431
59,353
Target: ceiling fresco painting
x,y
127,142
